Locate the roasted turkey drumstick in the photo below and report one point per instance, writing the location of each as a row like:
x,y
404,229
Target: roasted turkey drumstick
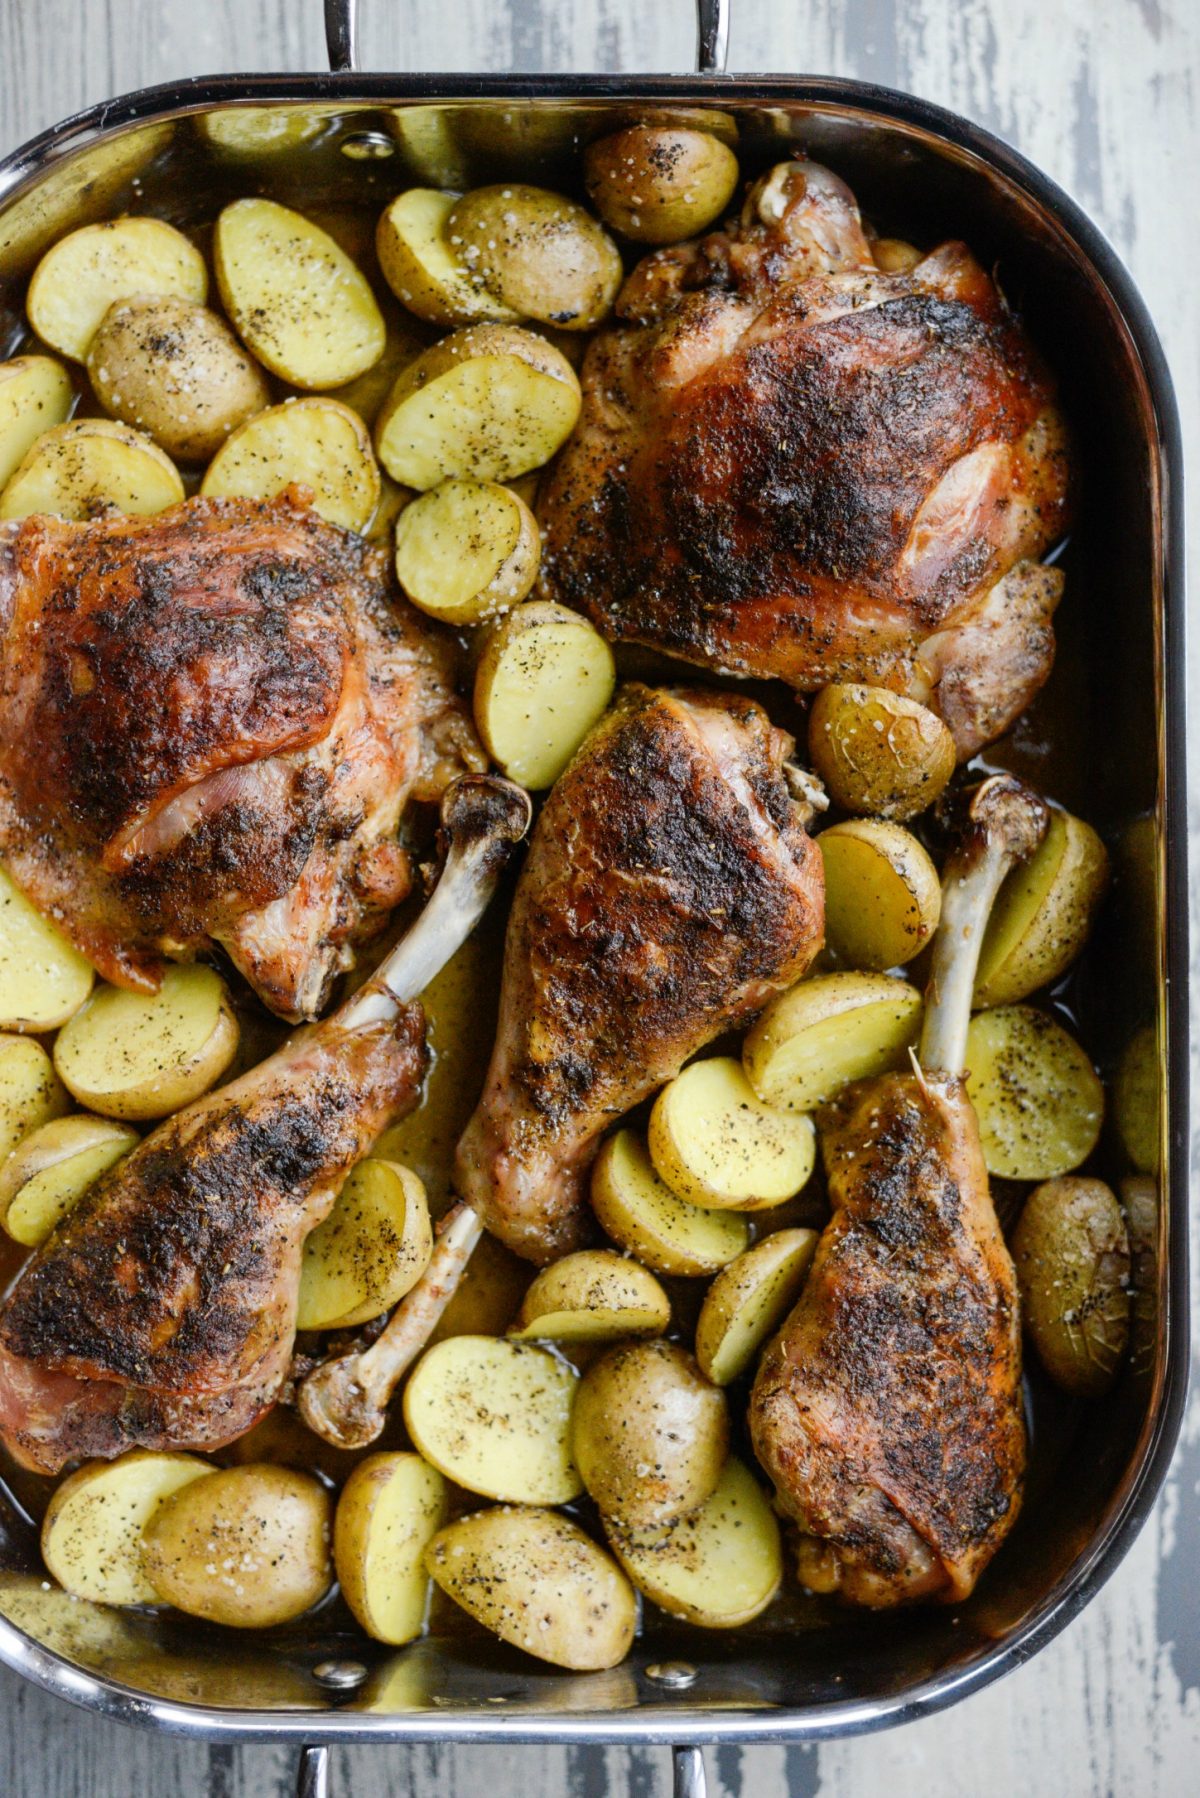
x,y
211,722
670,889
161,1313
888,1409
793,463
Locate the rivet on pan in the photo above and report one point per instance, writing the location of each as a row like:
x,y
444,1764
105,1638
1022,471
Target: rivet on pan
x,y
340,1676
367,146
676,1674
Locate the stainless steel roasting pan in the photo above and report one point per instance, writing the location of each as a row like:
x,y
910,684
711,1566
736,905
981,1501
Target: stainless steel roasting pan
x,y
1107,735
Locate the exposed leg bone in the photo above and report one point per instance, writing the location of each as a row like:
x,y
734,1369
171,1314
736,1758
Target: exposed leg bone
x,y
1008,822
345,1400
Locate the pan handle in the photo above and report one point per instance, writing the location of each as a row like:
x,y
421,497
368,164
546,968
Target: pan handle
x,y
712,34
312,1775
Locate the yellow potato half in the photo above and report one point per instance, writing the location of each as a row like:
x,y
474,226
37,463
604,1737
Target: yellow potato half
x,y
467,550
296,299
718,1567
1038,1098
30,1091
883,898
1043,913
316,441
87,466
544,255
371,1249
390,1509
544,679
495,1417
537,1581
492,401
35,393
834,1028
714,1142
1137,1100
43,978
143,1055
637,1210
878,752
748,1301
46,1175
592,1296
248,1546
423,271
89,270
92,1530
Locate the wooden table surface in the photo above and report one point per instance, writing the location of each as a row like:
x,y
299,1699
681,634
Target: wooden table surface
x,y
1105,95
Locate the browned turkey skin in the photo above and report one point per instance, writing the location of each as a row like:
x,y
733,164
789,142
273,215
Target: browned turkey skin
x,y
669,890
888,1410
793,464
212,723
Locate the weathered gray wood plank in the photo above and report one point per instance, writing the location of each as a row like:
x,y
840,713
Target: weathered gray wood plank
x,y
1105,96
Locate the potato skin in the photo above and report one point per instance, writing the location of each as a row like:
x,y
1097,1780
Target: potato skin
x,y
541,254
658,184
176,370
1071,1251
878,753
273,1523
539,1582
649,1434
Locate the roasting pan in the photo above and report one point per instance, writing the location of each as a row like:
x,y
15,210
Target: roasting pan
x,y
1106,736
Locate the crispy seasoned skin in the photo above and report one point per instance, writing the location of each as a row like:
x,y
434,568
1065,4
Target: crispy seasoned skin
x,y
212,722
888,1409
793,464
161,1314
670,889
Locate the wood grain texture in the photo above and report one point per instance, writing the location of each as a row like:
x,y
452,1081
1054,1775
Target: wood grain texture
x,y
1104,94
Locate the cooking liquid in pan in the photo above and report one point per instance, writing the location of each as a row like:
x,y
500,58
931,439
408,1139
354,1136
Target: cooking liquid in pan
x,y
1058,746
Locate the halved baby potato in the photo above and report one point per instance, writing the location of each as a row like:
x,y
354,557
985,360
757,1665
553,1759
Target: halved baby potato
x,y
878,752
422,270
495,1417
143,1055
389,1510
173,368
895,256
748,1301
1072,1256
296,299
637,1210
46,1175
828,1031
1043,913
544,679
371,1249
540,253
592,1296
43,978
35,393
718,1567
79,469
467,550
539,1583
714,1142
660,184
87,271
92,1530
492,401
316,441
1038,1098
247,1546
1137,1100
883,897
649,1433
253,131
31,1094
